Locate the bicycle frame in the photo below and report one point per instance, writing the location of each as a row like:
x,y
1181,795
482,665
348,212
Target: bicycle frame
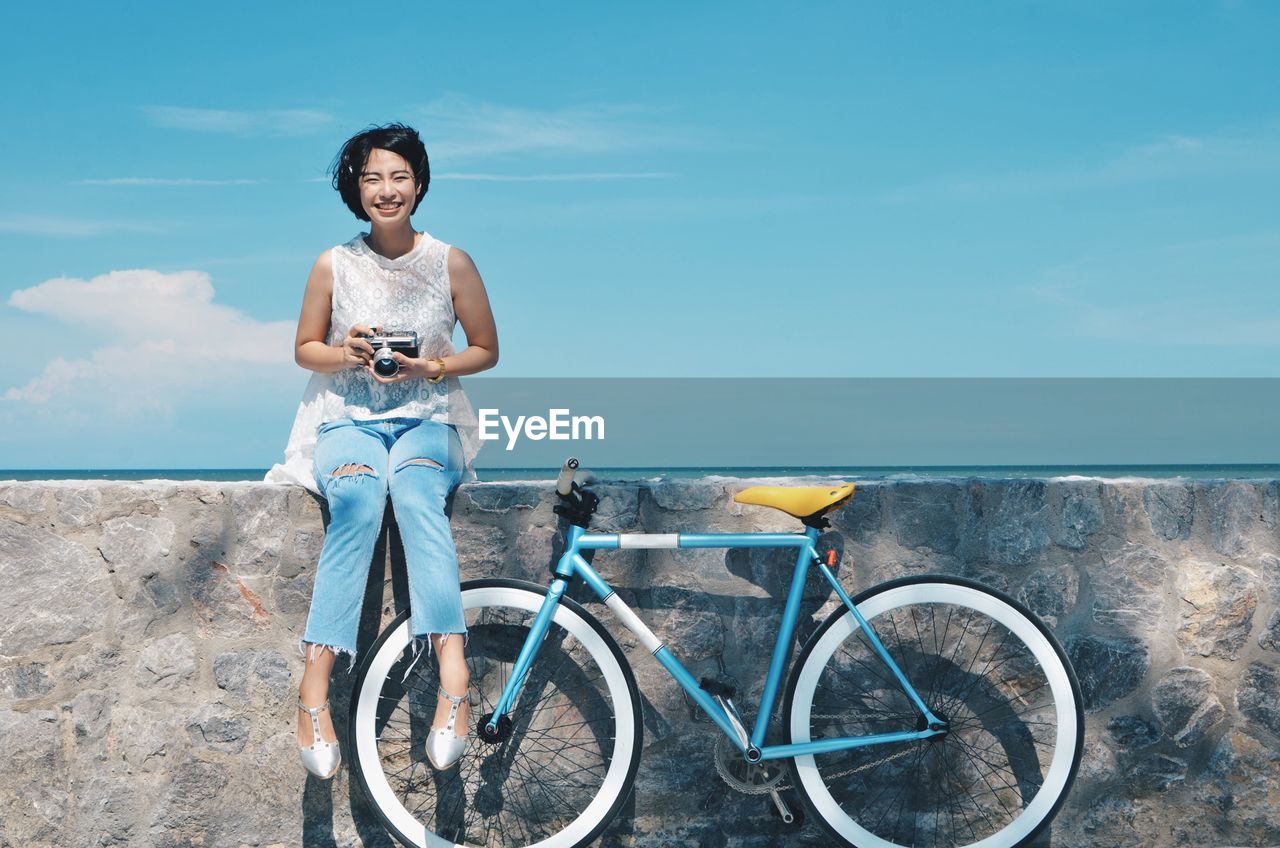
x,y
572,564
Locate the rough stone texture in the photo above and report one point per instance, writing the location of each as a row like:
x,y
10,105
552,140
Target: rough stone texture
x,y
1019,528
1081,515
148,658
26,680
1259,697
1237,514
1108,669
1171,508
218,728
1130,590
500,499
1051,593
1156,772
55,590
1217,608
167,662
1269,568
1270,638
679,495
1186,705
135,545
252,673
1239,783
924,516
1132,731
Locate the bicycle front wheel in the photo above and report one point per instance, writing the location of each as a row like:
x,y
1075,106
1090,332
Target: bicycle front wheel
x,y
559,775
980,661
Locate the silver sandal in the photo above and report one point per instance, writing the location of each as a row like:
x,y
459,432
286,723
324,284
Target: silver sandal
x,y
321,758
444,747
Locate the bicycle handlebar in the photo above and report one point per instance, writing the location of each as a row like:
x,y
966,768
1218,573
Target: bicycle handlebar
x,y
564,484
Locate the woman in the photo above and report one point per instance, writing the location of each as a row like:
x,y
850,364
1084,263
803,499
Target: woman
x,y
360,435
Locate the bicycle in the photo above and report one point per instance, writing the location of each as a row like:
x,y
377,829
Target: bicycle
x,y
955,720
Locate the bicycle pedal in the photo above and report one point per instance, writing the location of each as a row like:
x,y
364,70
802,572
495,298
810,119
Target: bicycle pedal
x,y
718,686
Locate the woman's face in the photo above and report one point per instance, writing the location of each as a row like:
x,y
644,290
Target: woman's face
x,y
387,187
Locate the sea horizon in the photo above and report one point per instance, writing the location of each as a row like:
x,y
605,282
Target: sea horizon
x,y
1194,471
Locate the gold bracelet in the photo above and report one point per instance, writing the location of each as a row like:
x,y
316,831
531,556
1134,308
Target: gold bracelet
x,y
437,378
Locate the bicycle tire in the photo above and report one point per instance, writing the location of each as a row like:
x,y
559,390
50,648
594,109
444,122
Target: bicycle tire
x,y
994,671
561,775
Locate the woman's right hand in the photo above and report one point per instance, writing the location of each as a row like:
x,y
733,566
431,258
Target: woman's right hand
x,y
356,350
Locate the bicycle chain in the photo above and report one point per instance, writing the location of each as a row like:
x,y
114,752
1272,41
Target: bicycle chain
x,y
738,785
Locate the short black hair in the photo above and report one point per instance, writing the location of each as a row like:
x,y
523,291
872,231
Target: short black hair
x,y
351,159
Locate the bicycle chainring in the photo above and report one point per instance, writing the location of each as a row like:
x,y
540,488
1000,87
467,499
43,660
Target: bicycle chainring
x,y
742,776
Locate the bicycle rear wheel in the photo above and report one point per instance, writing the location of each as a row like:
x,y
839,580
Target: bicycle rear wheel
x,y
979,660
558,777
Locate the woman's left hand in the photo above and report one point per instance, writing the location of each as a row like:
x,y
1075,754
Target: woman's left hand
x,y
411,368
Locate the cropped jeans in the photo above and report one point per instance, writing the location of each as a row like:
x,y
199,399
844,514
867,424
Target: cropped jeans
x,y
419,463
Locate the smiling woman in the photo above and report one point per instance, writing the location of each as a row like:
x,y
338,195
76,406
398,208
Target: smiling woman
x,y
402,428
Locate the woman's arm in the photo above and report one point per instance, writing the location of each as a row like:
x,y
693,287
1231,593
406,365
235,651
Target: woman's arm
x,y
471,305
310,349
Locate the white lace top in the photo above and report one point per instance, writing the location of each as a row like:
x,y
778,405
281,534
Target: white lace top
x,y
409,293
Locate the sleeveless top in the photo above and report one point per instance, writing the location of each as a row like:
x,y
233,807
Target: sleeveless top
x,y
412,292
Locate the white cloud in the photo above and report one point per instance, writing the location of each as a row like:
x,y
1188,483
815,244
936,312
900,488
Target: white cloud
x,y
456,126
1175,143
1209,292
48,225
262,122
551,178
162,181
164,339
1230,152
1181,323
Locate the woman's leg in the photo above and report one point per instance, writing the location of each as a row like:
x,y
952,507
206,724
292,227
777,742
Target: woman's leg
x,y
455,677
351,464
426,466
314,691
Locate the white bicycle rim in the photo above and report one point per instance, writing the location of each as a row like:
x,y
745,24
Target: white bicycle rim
x,y
1059,771
514,598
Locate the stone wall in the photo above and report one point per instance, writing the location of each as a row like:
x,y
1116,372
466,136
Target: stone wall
x,y
148,658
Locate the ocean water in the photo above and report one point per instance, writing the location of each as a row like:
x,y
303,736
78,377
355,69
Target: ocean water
x,y
1190,472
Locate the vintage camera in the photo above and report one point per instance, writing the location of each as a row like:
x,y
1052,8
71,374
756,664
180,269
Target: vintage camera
x,y
386,343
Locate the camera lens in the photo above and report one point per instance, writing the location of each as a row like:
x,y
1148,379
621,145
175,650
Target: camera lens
x,y
383,363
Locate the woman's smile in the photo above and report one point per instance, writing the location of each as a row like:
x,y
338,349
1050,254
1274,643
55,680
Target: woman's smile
x,y
387,185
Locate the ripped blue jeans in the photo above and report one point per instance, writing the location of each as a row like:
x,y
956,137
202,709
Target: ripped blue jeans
x,y
357,463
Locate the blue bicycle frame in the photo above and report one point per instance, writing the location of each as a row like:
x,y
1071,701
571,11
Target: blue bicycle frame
x,y
572,564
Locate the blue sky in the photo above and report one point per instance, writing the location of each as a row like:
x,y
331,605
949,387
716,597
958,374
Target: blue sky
x,y
718,189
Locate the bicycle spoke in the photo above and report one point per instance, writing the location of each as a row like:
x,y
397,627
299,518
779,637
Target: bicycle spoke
x,y
971,667
561,744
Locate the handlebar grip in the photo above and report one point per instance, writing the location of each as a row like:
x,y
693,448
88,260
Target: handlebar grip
x,y
564,484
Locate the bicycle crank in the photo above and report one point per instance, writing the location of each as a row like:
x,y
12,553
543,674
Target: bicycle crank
x,y
749,778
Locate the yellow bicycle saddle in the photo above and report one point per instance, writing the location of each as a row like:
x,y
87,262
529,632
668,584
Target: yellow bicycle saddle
x,y
800,501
